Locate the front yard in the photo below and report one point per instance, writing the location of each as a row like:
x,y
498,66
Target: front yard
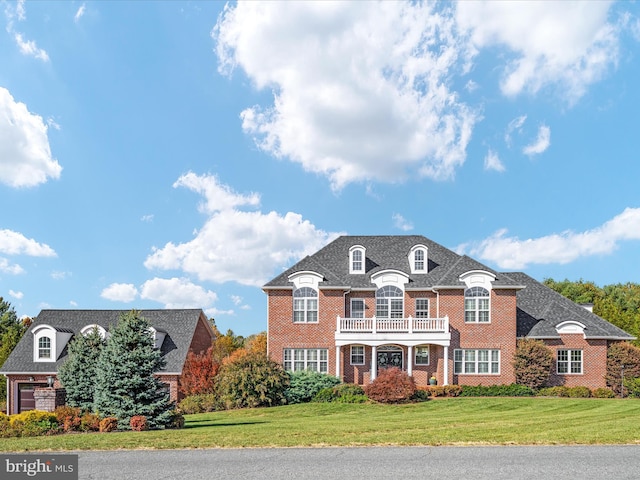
x,y
447,421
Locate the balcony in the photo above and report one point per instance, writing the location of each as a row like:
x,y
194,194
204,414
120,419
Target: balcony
x,y
406,331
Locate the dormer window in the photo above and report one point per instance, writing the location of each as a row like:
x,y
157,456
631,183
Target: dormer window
x,y
44,348
90,328
158,336
418,259
48,342
356,259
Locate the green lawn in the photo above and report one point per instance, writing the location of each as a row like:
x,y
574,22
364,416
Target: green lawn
x,y
453,421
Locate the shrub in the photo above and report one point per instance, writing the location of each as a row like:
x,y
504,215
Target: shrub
x,y
34,423
3,405
392,385
108,424
560,391
532,363
620,354
421,395
5,427
177,420
512,390
305,384
603,393
89,422
633,387
579,392
343,393
200,404
68,417
252,380
452,390
199,373
138,423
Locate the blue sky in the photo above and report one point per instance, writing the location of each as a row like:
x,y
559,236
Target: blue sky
x,y
181,154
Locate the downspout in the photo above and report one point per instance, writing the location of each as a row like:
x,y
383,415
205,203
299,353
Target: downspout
x,y
8,390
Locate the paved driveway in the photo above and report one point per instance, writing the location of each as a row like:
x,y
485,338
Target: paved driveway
x,y
474,463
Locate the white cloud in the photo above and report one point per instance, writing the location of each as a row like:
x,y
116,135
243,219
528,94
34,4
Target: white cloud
x,y
492,162
147,218
27,47
14,243
17,295
402,223
361,90
177,293
30,48
569,44
13,269
25,154
515,125
565,247
120,292
79,13
541,143
60,275
236,299
235,245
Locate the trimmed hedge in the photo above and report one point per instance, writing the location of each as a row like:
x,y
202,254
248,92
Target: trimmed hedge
x,y
512,390
305,384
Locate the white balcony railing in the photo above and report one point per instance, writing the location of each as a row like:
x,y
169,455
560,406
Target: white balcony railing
x,y
396,325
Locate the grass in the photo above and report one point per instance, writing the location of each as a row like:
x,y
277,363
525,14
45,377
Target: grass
x,y
454,421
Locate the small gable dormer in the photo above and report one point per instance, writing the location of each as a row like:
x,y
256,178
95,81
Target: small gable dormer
x,y
48,342
158,336
418,259
357,259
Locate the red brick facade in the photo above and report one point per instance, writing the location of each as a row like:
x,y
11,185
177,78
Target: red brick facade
x,y
498,334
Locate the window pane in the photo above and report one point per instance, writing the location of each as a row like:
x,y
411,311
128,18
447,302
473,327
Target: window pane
x,y
422,355
357,308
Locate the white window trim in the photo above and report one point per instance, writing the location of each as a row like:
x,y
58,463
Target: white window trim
x,y
569,361
364,307
425,260
306,309
415,356
352,250
289,364
477,310
352,355
476,361
422,310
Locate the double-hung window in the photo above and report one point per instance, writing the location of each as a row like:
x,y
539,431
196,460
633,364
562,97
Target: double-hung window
x,y
312,359
305,305
569,361
44,347
422,355
357,308
476,305
357,354
476,362
422,308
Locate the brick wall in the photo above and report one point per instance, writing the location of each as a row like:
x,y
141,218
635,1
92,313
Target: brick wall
x,y
594,361
202,338
48,399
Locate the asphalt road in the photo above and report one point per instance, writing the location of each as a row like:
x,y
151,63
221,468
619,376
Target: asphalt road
x,y
474,463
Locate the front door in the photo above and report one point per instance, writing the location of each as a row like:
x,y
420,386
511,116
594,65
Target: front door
x,y
390,357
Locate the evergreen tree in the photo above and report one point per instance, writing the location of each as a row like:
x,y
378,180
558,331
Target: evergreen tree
x,y
125,380
78,374
11,331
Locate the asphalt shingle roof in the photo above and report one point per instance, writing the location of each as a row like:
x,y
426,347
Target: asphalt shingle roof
x,y
539,309
179,325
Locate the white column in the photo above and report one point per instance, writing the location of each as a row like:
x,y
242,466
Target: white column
x,y
410,360
374,363
446,366
337,361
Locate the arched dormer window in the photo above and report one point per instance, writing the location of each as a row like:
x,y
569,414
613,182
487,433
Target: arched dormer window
x,y
48,342
86,330
476,305
389,302
418,259
44,348
357,259
305,305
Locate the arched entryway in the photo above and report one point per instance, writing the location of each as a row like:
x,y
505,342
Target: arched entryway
x,y
390,356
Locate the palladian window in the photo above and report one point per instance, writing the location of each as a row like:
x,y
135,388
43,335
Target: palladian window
x,y
389,302
476,305
305,305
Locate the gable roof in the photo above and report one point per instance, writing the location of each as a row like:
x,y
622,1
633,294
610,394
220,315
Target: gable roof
x,y
180,326
387,252
541,309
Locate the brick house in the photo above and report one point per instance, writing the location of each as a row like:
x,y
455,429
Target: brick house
x,y
363,303
34,362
